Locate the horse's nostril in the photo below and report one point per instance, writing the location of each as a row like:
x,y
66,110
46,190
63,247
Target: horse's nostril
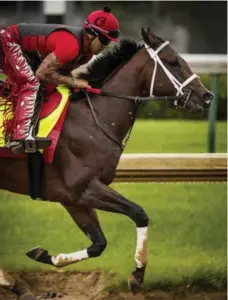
x,y
208,97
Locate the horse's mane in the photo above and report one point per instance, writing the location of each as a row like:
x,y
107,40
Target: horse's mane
x,y
109,61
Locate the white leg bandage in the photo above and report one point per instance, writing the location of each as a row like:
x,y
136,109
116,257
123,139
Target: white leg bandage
x,y
62,259
141,254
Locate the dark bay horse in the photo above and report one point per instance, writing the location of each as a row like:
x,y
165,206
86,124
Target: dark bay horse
x,y
86,159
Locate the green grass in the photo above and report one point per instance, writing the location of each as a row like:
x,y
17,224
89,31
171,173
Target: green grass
x,y
187,234
174,136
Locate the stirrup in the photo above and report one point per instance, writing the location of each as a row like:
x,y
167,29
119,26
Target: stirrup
x,y
30,143
16,147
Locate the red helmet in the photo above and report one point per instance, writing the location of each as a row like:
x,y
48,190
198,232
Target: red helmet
x,y
103,22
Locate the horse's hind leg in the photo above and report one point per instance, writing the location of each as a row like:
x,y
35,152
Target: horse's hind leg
x,y
16,286
87,221
102,197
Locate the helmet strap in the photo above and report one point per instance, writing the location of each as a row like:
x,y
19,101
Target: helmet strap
x,y
93,32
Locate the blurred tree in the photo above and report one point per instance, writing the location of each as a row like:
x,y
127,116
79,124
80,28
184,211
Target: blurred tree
x,y
203,21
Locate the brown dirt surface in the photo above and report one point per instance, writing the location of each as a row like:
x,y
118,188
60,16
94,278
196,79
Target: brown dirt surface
x,y
90,286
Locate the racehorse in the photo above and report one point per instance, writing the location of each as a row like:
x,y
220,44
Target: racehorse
x,y
89,147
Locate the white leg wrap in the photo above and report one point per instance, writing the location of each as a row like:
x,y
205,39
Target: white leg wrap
x,y
62,259
141,254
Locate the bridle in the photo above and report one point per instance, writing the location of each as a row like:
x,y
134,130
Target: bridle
x,y
176,83
179,100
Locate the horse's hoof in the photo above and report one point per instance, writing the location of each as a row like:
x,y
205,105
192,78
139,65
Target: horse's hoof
x,y
134,285
39,254
136,280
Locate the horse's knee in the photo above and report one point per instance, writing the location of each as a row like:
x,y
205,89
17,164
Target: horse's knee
x,y
140,217
97,248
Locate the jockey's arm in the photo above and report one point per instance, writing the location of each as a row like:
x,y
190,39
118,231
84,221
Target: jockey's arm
x,y
64,48
48,72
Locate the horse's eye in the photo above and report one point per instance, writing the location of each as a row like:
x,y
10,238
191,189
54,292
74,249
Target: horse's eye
x,y
174,63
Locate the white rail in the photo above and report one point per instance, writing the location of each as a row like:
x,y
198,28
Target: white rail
x,y
207,63
198,167
199,63
173,161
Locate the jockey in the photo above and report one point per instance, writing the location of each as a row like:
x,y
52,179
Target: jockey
x,y
61,48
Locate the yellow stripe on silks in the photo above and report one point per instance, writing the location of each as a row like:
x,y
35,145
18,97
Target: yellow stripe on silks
x,y
48,123
3,77
9,116
2,136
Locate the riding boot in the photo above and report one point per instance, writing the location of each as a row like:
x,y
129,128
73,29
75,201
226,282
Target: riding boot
x,y
24,133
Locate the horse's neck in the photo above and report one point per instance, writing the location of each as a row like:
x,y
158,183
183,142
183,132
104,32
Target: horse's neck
x,y
127,79
119,112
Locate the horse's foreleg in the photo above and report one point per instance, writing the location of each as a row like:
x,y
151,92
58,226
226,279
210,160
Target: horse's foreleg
x,y
102,197
87,221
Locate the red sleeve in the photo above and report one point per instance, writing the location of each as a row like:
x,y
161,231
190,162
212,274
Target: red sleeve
x,y
64,45
15,29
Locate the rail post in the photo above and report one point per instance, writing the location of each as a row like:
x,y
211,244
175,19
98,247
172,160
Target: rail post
x,y
213,114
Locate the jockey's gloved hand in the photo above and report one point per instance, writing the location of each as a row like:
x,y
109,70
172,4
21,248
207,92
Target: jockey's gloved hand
x,y
81,84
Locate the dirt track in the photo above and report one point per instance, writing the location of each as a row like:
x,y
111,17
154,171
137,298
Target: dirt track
x,y
90,286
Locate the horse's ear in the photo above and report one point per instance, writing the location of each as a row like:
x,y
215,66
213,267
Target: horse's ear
x,y
148,30
145,36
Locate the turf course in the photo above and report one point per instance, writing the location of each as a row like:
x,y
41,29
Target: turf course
x,y
174,136
187,234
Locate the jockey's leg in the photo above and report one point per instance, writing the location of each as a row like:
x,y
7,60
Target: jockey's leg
x,y
1,57
2,74
24,98
25,79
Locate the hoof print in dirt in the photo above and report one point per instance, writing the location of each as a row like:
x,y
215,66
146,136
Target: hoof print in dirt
x,y
53,295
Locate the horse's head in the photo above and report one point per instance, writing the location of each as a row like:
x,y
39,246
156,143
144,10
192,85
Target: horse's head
x,y
171,75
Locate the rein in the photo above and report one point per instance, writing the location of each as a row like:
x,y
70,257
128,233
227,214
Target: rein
x,y
125,141
98,123
136,98
138,101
